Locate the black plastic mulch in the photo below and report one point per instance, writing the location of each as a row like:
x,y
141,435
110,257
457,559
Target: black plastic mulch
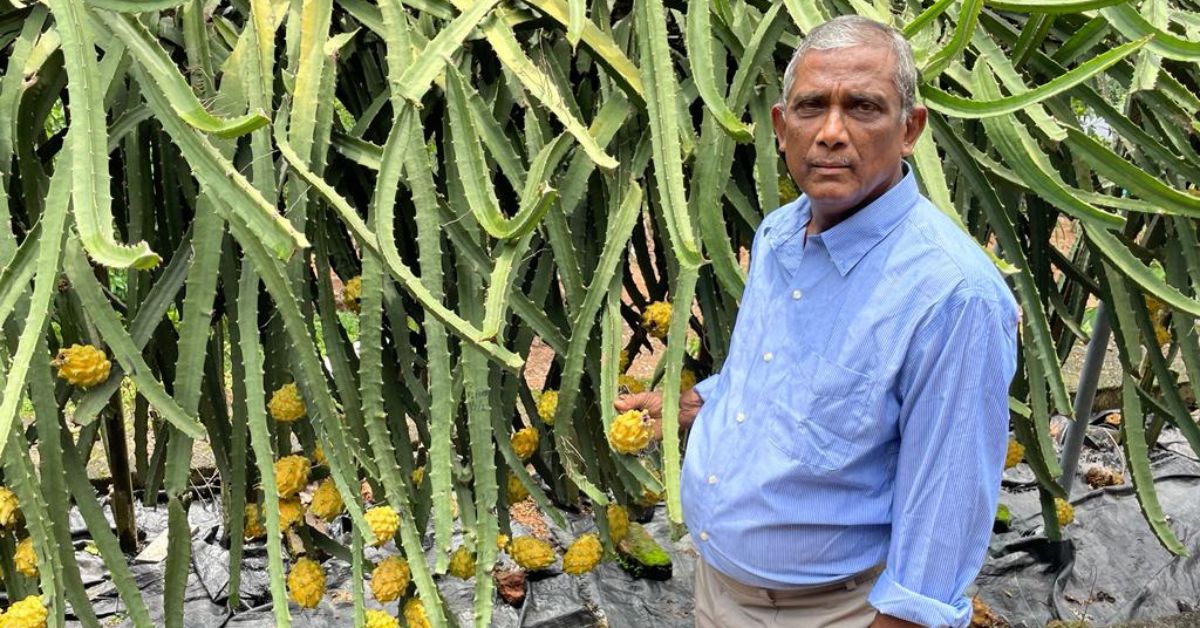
x,y
1109,569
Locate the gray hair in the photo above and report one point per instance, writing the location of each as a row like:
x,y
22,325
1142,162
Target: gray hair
x,y
854,30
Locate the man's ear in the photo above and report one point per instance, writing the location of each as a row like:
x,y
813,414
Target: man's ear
x,y
913,127
780,127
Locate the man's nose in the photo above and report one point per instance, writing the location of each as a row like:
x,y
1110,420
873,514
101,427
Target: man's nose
x,y
832,133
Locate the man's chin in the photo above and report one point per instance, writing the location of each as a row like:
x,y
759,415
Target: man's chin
x,y
834,197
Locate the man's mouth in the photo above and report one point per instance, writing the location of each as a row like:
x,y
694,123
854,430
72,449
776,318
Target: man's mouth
x,y
828,166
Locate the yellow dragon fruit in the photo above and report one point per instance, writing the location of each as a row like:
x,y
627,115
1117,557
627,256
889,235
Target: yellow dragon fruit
x,y
384,522
583,555
291,512
351,293
10,508
82,365
547,405
1064,511
326,501
531,553
656,319
630,384
25,558
390,579
515,490
525,442
630,432
618,522
286,404
414,614
462,563
306,583
380,619
291,475
254,523
1016,451
27,613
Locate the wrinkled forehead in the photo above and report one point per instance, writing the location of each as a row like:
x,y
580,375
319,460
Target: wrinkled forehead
x,y
869,67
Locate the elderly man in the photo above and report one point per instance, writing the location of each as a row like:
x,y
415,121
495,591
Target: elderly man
x,y
843,467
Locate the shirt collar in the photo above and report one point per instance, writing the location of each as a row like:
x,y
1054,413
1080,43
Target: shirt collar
x,y
850,240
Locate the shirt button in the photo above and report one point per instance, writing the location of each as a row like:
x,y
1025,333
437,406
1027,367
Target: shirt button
x,y
712,479
796,294
741,416
767,356
703,536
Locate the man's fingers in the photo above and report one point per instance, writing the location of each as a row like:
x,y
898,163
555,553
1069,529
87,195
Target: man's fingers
x,y
646,401
630,401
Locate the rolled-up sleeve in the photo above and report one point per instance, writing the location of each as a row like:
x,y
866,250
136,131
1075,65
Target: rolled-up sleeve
x,y
706,386
953,436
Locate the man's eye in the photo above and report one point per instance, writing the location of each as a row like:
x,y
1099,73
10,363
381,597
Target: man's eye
x,y
866,106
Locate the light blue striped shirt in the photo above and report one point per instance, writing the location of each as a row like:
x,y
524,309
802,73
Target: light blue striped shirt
x,y
861,415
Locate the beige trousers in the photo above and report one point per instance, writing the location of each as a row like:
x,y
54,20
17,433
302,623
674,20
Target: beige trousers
x,y
722,602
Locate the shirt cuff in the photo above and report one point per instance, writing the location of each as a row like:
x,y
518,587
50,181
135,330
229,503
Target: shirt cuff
x,y
891,598
706,386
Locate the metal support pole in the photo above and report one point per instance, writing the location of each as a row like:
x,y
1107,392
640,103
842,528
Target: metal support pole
x,y
1085,396
116,449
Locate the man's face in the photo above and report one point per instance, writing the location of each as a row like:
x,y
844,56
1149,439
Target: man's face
x,y
843,131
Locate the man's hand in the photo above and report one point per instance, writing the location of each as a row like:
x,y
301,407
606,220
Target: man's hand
x,y
652,402
887,621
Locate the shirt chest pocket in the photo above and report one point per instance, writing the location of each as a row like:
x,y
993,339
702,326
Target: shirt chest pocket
x,y
818,419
